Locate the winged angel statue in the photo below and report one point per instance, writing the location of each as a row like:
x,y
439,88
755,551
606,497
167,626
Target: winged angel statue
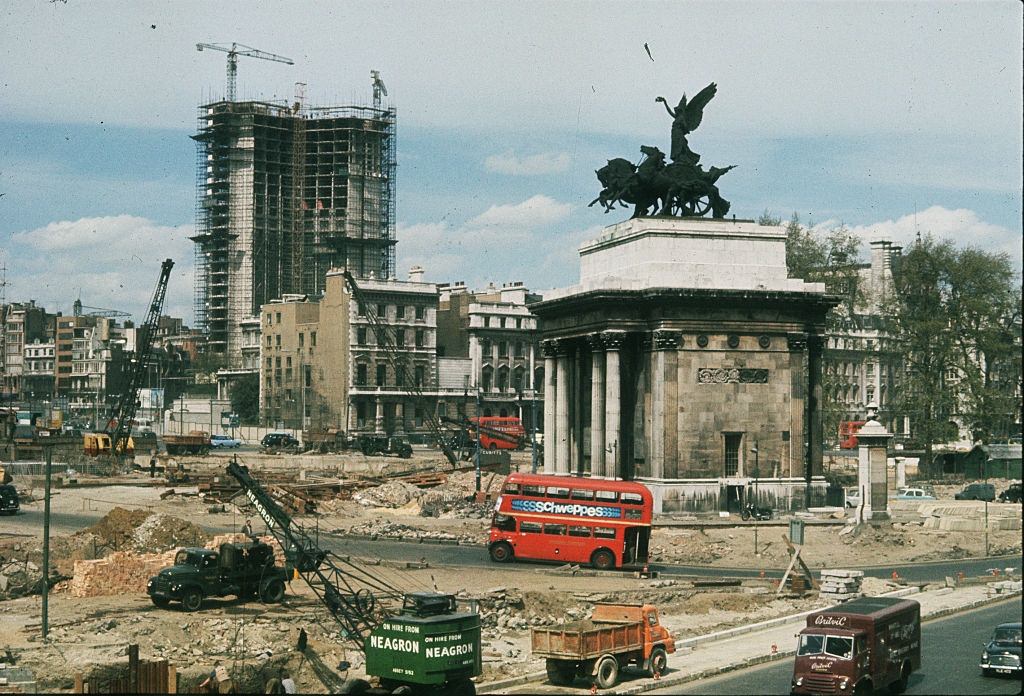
x,y
680,188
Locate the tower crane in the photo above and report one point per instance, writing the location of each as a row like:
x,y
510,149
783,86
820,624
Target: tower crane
x,y
236,50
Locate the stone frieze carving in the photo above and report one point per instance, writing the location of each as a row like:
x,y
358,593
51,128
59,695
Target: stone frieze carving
x,y
732,375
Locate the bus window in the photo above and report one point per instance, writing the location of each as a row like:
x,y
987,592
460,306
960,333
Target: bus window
x,y
633,514
578,531
632,499
580,494
604,532
557,492
535,491
607,496
504,522
530,527
512,488
558,529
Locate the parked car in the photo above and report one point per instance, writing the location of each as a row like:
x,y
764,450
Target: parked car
x,y
9,504
977,491
913,494
224,442
1011,494
852,497
1002,654
279,441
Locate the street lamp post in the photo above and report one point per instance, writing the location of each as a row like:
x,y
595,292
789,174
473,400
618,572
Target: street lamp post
x,y
757,471
476,454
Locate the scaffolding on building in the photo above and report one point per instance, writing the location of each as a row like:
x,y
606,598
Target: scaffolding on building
x,y
284,194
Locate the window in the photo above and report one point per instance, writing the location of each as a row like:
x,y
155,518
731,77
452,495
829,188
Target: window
x,y
382,375
400,338
502,349
361,335
580,494
504,522
312,338
399,378
485,348
535,491
268,341
400,311
277,317
557,529
277,362
421,375
606,496
488,378
361,310
269,322
839,646
604,532
382,311
519,348
811,644
302,339
307,375
420,341
732,453
632,499
421,313
530,527
277,340
487,322
288,361
558,492
579,531
361,374
512,488
418,417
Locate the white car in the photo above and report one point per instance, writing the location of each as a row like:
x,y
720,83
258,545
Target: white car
x,y
223,441
852,497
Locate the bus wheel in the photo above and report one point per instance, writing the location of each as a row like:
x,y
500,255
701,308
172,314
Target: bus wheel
x,y
492,446
607,672
501,552
603,559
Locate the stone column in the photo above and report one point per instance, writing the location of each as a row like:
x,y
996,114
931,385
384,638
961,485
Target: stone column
x,y
872,470
399,418
562,409
665,343
613,341
550,394
597,454
797,345
378,422
815,344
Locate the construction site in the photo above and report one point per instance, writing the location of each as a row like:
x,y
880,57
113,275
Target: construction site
x,y
415,525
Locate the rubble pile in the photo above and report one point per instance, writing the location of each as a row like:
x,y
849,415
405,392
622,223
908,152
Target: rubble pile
x,y
116,528
392,494
691,546
841,585
19,578
375,529
160,532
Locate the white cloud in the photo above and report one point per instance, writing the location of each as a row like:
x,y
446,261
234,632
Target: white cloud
x,y
534,212
110,262
961,226
542,163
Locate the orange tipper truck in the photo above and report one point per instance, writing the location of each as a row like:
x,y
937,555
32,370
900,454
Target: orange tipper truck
x,y
864,645
615,636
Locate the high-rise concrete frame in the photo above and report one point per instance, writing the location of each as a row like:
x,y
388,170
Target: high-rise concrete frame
x,y
283,195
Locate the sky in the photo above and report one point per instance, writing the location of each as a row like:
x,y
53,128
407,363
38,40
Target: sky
x,y
892,118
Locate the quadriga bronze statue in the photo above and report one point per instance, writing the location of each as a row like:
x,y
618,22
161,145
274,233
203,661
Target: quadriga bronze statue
x,y
681,188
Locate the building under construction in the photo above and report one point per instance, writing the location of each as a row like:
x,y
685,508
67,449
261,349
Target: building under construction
x,y
284,194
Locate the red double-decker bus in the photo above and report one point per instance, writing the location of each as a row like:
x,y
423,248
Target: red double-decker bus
x,y
500,432
575,520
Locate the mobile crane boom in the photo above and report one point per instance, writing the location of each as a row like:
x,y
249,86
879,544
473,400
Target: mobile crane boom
x,y
127,403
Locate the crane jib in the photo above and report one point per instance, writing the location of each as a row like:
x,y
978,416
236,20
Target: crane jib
x,y
264,513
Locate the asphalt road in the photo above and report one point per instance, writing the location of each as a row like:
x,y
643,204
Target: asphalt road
x,y
477,556
951,648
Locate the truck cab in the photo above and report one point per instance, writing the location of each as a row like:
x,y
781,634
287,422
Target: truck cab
x,y
864,645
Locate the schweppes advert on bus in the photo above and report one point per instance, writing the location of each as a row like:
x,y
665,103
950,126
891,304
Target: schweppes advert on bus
x,y
569,509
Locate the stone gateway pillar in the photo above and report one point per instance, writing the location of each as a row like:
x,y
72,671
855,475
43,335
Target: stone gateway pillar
x,y
597,453
613,341
872,471
562,437
550,396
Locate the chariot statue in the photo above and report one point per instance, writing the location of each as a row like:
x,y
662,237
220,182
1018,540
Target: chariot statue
x,y
680,188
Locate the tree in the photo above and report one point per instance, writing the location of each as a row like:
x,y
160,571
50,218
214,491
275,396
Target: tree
x,y
245,398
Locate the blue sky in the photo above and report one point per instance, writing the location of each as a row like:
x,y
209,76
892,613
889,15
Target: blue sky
x,y
891,117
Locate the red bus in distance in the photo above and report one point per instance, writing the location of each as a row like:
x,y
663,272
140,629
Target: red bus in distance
x,y
573,520
500,432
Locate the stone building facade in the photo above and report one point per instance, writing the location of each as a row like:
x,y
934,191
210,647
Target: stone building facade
x,y
684,349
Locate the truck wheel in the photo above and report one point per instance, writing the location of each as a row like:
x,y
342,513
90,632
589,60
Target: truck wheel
x,y
744,515
501,552
659,662
192,600
273,592
900,685
607,672
560,673
161,602
603,559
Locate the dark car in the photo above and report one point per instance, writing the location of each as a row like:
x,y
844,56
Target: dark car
x,y
1002,654
9,504
1011,494
279,441
383,444
977,491
244,570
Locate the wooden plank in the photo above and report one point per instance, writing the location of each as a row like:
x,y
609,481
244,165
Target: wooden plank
x,y
79,684
172,679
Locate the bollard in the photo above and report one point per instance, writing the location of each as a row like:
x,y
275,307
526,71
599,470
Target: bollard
x,y
775,649
895,576
761,574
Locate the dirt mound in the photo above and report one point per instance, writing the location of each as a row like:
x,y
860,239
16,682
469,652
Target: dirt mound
x,y
116,527
160,532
